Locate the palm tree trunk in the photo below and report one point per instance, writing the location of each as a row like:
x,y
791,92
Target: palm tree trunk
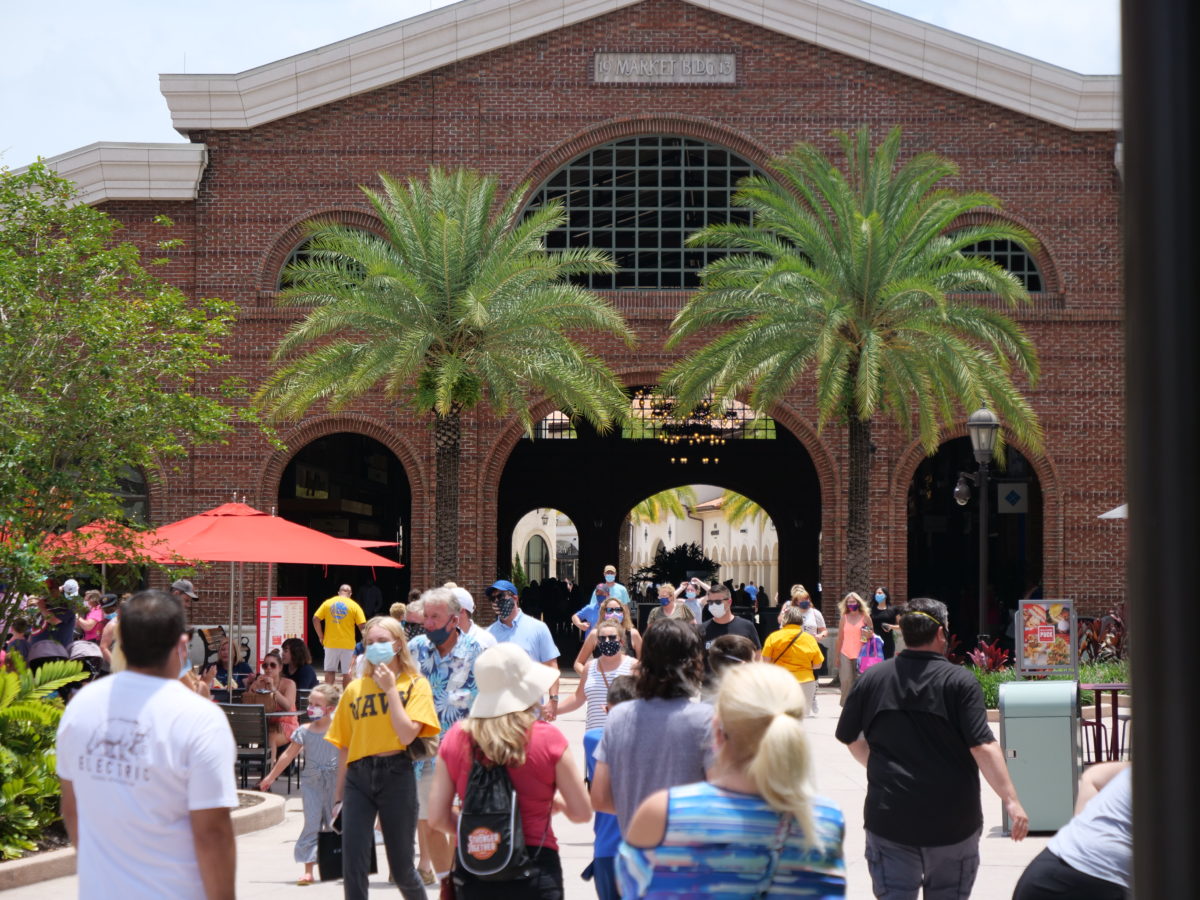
x,y
858,520
447,431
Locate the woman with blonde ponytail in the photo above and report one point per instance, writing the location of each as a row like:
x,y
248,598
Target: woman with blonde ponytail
x,y
753,829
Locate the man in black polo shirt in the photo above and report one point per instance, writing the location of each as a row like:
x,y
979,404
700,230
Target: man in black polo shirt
x,y
918,724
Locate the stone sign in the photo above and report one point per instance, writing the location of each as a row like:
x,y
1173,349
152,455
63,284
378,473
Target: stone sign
x,y
666,68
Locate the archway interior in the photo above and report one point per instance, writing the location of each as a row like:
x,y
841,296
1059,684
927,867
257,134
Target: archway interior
x,y
350,486
597,479
943,537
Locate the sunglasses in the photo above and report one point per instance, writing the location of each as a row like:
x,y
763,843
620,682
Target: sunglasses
x,y
270,665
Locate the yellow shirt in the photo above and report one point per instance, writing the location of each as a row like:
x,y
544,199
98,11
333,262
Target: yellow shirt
x,y
361,724
800,658
341,614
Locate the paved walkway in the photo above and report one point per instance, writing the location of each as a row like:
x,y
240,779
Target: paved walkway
x,y
266,870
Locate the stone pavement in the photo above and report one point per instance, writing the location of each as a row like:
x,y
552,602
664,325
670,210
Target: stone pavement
x,y
266,869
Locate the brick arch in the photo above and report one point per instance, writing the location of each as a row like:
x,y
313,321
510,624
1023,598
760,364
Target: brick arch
x,y
697,127
320,426
297,230
508,432
1053,548
1042,256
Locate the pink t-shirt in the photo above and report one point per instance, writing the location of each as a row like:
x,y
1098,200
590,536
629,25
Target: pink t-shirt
x,y
93,624
534,781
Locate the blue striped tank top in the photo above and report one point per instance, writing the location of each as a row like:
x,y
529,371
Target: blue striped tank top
x,y
720,844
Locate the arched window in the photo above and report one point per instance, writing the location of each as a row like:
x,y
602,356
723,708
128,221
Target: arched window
x,y
639,199
537,559
300,253
1014,258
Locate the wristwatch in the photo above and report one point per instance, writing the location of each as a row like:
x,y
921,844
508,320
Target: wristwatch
x,y
554,698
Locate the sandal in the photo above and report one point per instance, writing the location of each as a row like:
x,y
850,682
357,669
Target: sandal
x,y
304,880
427,876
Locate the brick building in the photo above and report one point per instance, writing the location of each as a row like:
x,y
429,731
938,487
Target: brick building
x,y
643,112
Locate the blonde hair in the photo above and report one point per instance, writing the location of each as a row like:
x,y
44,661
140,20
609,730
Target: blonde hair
x,y
666,589
396,630
331,692
759,708
853,595
799,592
503,739
624,625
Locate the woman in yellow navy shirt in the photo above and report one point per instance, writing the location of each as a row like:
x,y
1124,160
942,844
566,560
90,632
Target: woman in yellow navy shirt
x,y
379,715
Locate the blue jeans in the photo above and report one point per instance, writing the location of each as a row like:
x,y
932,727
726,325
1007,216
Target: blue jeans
x,y
382,785
901,871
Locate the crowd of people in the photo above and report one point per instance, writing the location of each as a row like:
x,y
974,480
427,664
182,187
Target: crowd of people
x,y
434,717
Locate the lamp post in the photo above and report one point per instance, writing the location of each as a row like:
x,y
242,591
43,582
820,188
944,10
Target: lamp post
x,y
983,427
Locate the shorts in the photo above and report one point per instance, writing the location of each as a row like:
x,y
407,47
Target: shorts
x,y
424,786
337,659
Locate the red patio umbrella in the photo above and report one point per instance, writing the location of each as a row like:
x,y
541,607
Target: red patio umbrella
x,y
106,542
356,542
235,532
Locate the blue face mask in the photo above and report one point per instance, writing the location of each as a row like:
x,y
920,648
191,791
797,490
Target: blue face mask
x,y
664,600
110,616
691,595
610,578
879,598
805,604
380,654
439,636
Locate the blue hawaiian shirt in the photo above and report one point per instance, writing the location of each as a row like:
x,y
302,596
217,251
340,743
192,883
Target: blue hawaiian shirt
x,y
452,677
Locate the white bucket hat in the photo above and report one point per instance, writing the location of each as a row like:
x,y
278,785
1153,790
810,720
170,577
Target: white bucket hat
x,y
509,681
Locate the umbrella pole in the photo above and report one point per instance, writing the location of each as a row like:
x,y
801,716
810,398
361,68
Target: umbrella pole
x,y
232,640
270,603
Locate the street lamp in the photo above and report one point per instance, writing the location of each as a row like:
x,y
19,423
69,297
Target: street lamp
x,y
983,427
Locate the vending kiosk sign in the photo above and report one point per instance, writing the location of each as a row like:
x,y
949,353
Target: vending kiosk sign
x,y
1046,637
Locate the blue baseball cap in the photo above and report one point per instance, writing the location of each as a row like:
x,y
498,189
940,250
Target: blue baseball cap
x,y
502,586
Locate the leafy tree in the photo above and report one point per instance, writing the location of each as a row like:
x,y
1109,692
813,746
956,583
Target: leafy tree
x,y
460,304
519,579
678,564
856,278
101,366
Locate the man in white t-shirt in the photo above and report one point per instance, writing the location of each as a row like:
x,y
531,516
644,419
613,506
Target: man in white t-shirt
x,y
147,770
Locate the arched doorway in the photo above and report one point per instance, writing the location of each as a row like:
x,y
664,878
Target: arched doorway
x,y
943,536
350,486
597,479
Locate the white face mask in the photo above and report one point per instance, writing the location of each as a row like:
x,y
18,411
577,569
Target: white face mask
x,y
717,609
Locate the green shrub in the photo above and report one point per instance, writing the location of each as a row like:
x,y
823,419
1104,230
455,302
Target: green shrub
x,y
1111,672
29,791
991,681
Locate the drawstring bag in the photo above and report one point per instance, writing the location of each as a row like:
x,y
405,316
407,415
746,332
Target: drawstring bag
x,y
491,841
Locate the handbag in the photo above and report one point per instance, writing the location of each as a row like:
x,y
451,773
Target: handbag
x,y
420,748
329,855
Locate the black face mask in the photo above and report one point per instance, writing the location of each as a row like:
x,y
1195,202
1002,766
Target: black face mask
x,y
413,629
504,606
607,646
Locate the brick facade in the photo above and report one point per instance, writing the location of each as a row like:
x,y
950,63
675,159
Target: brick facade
x,y
523,111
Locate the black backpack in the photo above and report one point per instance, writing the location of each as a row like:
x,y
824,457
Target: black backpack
x,y
491,841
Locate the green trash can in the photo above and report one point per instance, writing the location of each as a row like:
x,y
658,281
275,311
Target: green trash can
x,y
1039,734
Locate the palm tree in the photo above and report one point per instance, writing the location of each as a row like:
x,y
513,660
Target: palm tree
x,y
460,304
738,508
671,502
857,280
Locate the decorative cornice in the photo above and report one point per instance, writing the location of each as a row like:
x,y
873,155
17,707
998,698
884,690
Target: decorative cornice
x,y
114,171
395,52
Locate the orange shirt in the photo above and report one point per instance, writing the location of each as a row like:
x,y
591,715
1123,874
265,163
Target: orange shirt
x,y
850,633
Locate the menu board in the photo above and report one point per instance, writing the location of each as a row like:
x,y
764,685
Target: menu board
x,y
288,619
1046,637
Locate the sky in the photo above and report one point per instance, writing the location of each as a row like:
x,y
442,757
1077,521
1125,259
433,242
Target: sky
x,y
81,71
